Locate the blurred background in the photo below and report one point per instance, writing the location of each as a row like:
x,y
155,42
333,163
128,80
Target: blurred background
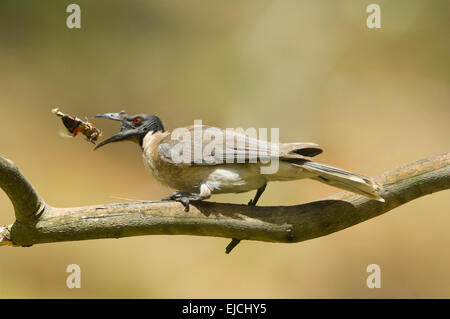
x,y
372,98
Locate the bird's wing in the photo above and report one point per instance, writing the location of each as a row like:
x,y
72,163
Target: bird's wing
x,y
206,145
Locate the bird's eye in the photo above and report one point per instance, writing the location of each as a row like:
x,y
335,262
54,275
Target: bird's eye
x,y
137,121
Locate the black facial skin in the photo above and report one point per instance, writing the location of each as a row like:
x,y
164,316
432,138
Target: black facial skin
x,y
134,128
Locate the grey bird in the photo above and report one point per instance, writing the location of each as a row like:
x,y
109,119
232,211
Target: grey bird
x,y
234,165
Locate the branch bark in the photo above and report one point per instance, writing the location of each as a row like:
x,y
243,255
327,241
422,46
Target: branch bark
x,y
37,223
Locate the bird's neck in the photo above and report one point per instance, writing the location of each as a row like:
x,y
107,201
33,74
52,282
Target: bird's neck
x,y
152,140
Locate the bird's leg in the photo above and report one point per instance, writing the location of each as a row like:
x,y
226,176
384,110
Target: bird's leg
x,y
185,197
234,242
259,192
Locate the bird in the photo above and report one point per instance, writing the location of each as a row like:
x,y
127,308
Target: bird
x,y
234,165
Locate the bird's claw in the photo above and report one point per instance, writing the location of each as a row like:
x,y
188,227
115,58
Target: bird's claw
x,y
185,202
183,198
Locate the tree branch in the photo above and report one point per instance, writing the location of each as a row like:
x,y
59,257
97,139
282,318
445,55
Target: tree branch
x,y
37,222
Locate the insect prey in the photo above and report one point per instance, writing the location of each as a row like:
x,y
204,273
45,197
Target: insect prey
x,y
75,126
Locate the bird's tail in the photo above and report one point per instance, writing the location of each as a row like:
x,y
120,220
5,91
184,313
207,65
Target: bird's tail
x,y
343,179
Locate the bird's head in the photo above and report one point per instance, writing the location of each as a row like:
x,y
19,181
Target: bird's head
x,y
134,128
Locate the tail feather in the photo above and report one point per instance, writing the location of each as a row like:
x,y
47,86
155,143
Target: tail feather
x,y
343,179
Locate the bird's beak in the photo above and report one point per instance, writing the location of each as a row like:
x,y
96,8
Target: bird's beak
x,y
126,132
113,116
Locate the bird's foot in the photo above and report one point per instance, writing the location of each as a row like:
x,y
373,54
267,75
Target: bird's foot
x,y
183,198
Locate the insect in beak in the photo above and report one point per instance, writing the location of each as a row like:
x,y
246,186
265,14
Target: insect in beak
x,y
75,126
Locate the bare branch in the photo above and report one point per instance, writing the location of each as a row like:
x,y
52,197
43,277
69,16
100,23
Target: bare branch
x,y
28,205
39,223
